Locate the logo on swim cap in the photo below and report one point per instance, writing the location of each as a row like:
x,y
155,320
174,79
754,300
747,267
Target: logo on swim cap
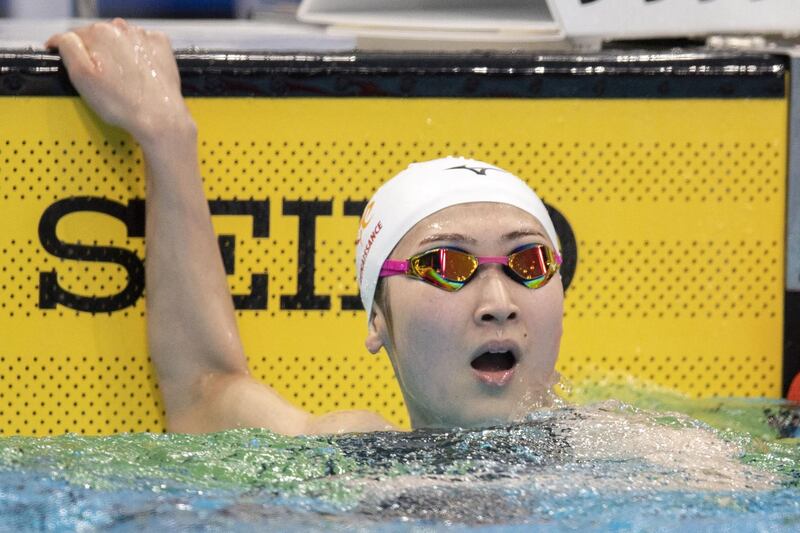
x,y
481,171
365,219
367,247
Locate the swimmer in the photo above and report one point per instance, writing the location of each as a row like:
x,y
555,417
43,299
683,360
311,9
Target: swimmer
x,y
458,269
473,341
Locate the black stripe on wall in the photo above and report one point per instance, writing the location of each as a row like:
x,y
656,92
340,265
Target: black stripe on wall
x,y
624,74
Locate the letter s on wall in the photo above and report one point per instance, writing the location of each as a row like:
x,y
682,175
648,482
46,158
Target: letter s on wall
x,y
51,293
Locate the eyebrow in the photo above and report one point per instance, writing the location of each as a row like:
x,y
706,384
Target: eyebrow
x,y
458,237
454,237
522,233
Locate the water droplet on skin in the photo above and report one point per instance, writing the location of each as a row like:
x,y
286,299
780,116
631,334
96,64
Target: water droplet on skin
x,y
98,63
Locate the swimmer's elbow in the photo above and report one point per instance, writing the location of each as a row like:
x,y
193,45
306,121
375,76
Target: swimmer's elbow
x,y
234,400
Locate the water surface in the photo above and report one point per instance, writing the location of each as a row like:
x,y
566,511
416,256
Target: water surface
x,y
648,461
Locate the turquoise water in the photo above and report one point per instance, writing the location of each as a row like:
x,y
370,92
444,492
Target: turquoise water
x,y
653,462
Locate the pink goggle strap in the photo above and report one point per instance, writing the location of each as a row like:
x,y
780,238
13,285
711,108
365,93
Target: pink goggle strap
x,y
393,268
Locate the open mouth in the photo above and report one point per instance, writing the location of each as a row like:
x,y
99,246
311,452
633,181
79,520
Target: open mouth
x,y
494,362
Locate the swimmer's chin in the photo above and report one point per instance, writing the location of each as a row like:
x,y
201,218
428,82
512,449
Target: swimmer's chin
x,y
527,407
478,425
493,414
483,422
460,421
467,426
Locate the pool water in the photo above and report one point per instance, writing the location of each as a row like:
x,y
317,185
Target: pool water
x,y
647,461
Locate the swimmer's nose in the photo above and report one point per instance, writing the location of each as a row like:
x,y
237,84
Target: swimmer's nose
x,y
496,304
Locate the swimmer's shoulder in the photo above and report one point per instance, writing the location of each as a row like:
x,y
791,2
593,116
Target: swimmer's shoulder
x,y
352,421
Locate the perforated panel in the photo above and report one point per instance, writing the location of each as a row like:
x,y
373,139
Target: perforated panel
x,y
677,208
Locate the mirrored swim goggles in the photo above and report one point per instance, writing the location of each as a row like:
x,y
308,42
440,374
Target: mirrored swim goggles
x,y
450,269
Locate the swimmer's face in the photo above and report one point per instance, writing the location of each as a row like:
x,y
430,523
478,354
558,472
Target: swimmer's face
x,y
439,342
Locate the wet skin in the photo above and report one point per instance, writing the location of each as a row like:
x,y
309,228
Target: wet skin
x,y
433,336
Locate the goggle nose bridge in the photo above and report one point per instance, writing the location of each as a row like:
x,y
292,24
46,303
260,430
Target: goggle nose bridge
x,y
493,260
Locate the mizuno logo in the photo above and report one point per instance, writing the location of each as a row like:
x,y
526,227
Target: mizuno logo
x,y
477,170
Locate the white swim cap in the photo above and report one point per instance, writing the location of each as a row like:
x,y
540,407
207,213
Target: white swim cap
x,y
423,189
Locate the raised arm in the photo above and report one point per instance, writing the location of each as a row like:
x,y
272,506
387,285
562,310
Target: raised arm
x,y
129,77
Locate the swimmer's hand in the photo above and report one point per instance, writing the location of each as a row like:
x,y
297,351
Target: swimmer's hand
x,y
127,75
